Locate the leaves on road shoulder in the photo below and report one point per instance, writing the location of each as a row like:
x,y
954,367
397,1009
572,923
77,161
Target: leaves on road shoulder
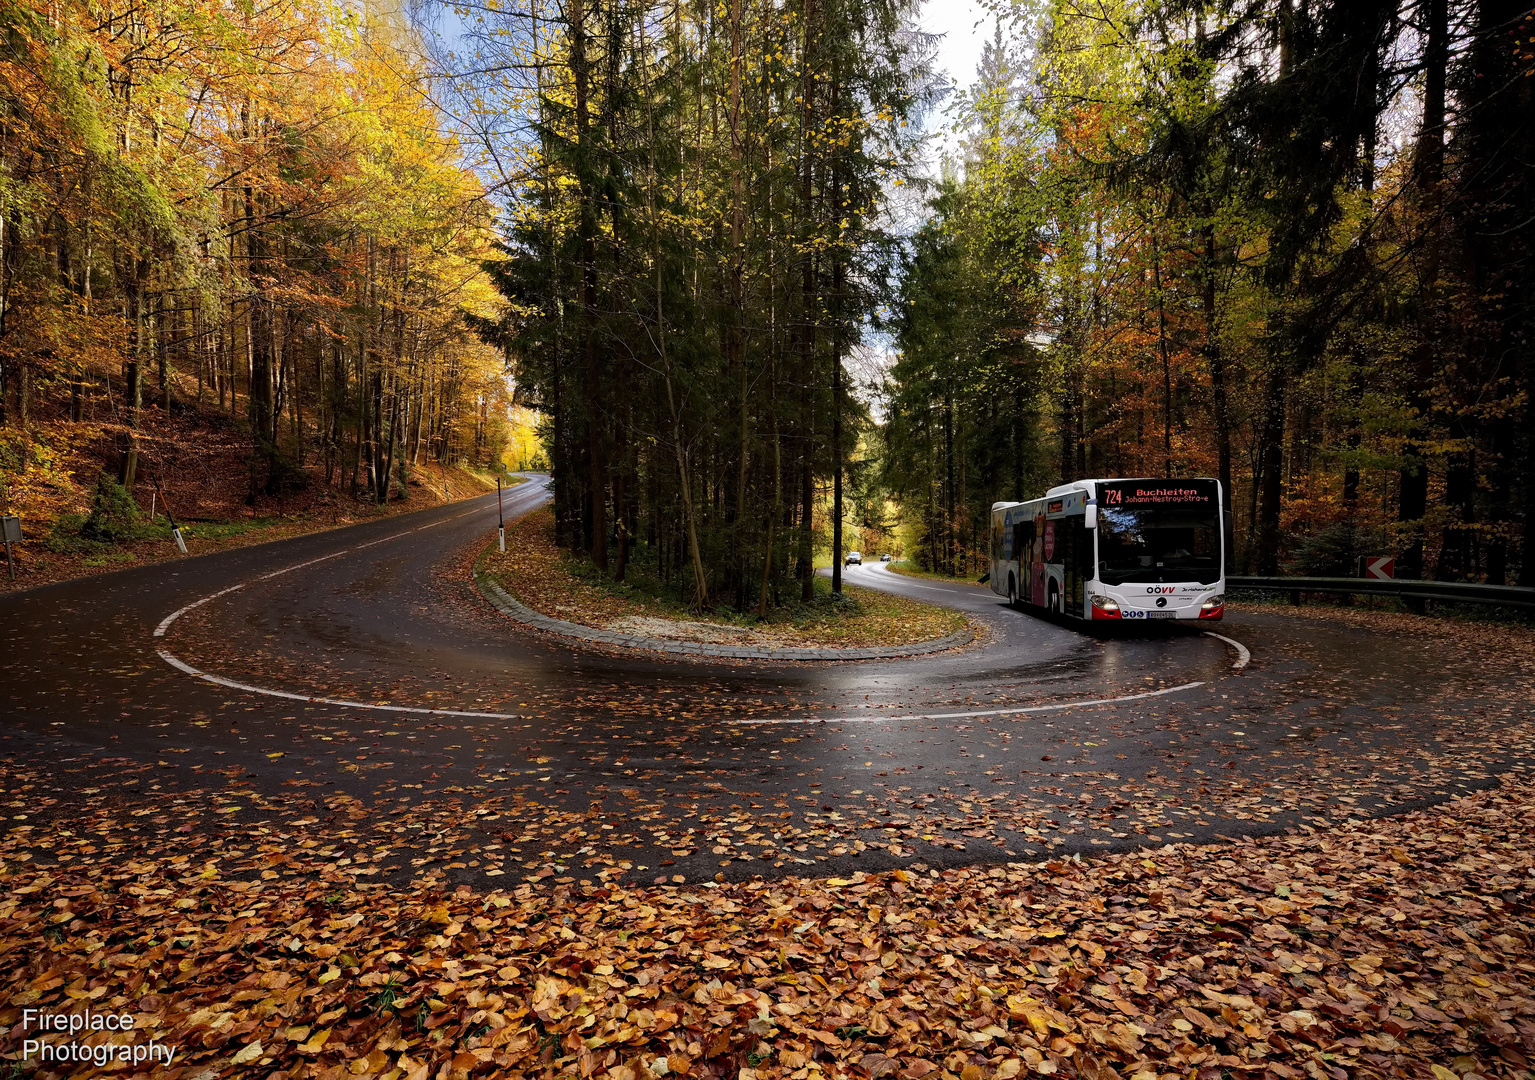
x,y
1390,948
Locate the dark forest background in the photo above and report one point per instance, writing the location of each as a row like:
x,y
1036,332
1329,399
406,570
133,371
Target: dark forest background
x,y
1285,244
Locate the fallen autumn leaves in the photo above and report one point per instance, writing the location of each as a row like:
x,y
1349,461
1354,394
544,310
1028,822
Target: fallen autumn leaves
x,y
1397,947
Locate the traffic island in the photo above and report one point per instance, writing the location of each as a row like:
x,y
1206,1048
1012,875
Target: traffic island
x,y
546,588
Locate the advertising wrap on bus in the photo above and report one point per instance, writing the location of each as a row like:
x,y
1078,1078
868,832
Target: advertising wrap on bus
x,y
1114,549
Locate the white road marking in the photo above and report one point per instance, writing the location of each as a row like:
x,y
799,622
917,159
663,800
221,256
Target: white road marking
x,y
968,715
1243,656
902,580
165,623
219,680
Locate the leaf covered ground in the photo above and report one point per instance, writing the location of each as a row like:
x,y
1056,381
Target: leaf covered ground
x,y
554,583
203,882
1397,947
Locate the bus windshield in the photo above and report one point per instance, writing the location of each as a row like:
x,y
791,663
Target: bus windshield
x,y
1166,535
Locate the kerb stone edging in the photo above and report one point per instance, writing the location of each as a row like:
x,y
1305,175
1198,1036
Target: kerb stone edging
x,y
503,602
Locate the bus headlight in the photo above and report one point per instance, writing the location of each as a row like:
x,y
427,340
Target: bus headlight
x,y
1105,606
1212,603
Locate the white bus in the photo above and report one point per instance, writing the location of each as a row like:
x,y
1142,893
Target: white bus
x,y
1114,549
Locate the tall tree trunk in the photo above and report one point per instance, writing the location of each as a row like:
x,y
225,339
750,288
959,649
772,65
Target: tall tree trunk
x,y
772,524
259,336
597,538
1428,174
774,355
133,388
838,342
7,280
836,435
1215,360
1271,474
690,515
663,353
737,313
808,309
1068,411
949,501
1167,369
162,337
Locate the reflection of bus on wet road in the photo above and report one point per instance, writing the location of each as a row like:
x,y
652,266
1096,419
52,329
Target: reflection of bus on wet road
x,y
1114,549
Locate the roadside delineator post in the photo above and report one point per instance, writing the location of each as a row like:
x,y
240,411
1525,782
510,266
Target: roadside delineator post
x,y
181,544
500,518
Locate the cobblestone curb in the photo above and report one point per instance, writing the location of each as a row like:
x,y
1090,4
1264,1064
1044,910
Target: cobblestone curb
x,y
502,601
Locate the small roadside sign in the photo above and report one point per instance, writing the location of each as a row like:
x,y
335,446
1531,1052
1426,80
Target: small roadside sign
x,y
10,533
1379,567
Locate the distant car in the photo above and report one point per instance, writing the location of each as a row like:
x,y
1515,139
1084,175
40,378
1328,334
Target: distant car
x,y
885,557
854,558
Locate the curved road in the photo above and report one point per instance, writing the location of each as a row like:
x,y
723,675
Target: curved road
x,y
455,741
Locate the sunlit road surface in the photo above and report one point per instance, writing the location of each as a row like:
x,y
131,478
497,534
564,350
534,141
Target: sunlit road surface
x,y
529,754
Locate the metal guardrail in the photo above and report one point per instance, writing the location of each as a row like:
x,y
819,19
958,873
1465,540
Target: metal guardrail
x,y
1452,592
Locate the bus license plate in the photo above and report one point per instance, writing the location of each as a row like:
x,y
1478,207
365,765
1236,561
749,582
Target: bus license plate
x,y
1161,614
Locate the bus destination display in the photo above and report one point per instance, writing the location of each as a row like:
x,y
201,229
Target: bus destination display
x,y
1139,493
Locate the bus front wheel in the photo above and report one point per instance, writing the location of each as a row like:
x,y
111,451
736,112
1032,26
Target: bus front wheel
x,y
1012,591
1055,599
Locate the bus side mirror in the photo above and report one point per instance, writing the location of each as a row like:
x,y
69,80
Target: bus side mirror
x,y
1090,515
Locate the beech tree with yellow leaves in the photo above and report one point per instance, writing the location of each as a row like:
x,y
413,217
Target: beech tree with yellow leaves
x,y
250,209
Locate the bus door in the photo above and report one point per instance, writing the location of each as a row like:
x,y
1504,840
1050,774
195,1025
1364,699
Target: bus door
x,y
1039,553
1077,563
1023,549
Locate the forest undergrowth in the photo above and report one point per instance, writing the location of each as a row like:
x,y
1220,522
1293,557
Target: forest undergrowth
x,y
197,473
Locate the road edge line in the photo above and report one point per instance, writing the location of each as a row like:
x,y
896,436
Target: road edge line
x,y
972,715
1243,656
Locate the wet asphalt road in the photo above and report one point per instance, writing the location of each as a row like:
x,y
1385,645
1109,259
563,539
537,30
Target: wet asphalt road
x,y
695,767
